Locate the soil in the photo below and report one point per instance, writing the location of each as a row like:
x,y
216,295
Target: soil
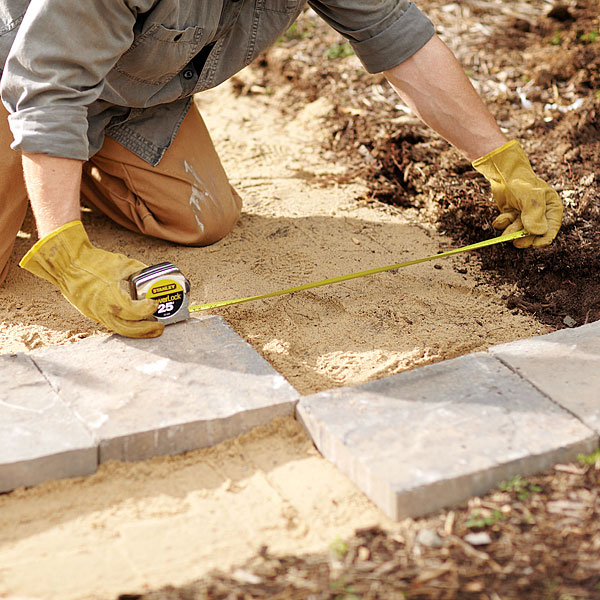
x,y
367,186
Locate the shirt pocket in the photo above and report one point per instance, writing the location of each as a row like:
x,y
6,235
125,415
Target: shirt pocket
x,y
159,54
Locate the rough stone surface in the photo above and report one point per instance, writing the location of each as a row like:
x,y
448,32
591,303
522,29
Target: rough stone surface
x,y
435,436
40,438
564,365
197,384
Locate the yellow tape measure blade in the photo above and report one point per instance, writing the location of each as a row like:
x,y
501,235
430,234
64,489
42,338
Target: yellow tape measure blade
x,y
307,286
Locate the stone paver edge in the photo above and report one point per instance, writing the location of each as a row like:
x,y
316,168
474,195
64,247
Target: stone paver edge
x,y
98,443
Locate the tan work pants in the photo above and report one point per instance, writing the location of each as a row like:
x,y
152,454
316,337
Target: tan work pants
x,y
185,199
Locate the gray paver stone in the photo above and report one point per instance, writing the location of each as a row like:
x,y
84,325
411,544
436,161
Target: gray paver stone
x,y
40,438
196,385
565,365
431,438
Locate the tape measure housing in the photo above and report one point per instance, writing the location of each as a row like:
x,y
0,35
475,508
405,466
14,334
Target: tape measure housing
x,y
166,284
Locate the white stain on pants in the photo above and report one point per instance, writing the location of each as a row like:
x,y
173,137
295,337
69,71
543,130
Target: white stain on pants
x,y
199,197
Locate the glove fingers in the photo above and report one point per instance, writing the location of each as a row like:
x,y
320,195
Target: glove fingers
x,y
554,213
124,307
534,218
524,242
504,220
136,310
542,240
545,240
136,329
131,318
515,226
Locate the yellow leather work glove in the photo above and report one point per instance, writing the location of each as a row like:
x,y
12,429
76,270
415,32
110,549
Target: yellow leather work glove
x,y
525,200
89,278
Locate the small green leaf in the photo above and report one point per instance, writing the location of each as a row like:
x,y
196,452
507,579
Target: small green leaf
x,y
339,51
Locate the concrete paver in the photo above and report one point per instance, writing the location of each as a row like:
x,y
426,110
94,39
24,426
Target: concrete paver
x,y
435,436
40,438
196,385
414,443
565,365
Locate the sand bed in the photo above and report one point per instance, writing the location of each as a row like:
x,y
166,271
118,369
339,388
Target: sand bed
x,y
170,520
299,225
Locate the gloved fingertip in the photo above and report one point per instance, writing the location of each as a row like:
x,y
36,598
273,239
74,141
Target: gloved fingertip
x,y
514,227
140,329
143,309
542,241
536,225
153,332
524,242
502,221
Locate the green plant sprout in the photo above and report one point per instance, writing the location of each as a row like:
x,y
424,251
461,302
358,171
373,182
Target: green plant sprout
x,y
556,39
339,51
522,488
295,32
590,37
339,548
590,459
479,521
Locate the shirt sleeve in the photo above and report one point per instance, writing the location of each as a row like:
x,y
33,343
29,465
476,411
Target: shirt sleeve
x,y
383,33
56,69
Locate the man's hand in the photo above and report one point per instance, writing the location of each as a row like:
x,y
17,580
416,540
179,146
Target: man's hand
x,y
90,279
434,86
524,200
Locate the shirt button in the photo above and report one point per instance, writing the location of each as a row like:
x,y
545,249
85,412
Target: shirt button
x,y
188,74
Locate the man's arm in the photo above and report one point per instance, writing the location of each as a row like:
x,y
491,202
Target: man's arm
x,y
88,277
433,85
53,185
436,89
48,82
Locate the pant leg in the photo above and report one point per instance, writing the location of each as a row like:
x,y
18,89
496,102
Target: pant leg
x,y
186,198
13,195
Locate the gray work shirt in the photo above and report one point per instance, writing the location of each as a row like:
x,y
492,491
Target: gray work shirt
x,y
77,70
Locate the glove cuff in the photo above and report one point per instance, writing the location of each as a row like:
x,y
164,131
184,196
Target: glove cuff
x,y
47,238
479,161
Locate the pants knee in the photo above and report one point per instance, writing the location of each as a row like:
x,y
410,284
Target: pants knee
x,y
211,219
216,225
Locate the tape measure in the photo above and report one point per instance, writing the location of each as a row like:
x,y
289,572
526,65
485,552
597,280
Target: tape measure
x,y
165,283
